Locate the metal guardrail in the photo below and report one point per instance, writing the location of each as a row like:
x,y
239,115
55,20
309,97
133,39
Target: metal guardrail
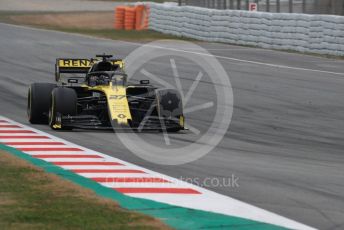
x,y
335,7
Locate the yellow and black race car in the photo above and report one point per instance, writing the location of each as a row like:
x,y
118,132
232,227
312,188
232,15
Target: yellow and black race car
x,y
94,93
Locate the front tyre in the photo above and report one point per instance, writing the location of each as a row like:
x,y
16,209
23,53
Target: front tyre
x,y
170,109
63,103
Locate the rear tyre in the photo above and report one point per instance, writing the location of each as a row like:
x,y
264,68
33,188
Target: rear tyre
x,y
38,102
63,103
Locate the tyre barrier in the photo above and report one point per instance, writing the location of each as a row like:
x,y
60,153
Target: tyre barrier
x,y
142,13
131,17
322,34
119,17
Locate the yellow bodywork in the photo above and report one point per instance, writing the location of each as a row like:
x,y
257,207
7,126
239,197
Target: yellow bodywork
x,y
117,101
181,121
57,126
115,94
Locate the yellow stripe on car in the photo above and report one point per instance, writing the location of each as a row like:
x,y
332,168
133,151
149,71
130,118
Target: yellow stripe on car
x,y
117,102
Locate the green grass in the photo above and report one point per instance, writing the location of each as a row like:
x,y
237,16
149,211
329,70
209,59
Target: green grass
x,y
129,35
33,199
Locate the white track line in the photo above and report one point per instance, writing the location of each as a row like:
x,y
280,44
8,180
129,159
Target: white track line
x,y
53,153
47,145
140,185
246,61
100,167
70,159
111,175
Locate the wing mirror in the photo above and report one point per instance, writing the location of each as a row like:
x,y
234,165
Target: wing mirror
x,y
144,82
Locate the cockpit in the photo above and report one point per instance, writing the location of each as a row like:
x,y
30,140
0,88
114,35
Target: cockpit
x,y
104,66
117,78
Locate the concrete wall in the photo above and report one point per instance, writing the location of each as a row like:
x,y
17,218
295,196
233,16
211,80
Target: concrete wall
x,y
323,34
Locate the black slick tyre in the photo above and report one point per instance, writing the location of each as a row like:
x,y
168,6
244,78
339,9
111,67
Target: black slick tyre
x,y
38,102
63,103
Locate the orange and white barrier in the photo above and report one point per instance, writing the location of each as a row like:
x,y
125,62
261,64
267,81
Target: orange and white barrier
x,y
131,17
119,17
142,17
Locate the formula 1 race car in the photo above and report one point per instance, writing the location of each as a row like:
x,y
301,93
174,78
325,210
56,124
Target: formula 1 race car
x,y
94,93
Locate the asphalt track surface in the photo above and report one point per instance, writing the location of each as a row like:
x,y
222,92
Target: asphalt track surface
x,y
285,141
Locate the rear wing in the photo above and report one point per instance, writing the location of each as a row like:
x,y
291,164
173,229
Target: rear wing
x,y
78,66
